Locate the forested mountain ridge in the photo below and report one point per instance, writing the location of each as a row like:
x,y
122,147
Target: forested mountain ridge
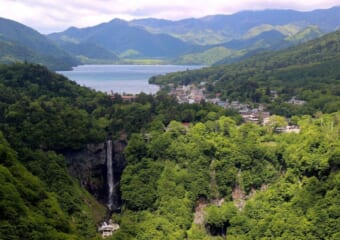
x,y
208,40
222,28
119,37
245,182
21,43
44,116
193,171
308,71
205,40
171,167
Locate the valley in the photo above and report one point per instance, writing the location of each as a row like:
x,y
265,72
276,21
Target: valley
x,y
244,148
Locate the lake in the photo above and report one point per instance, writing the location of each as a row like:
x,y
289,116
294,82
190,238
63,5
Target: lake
x,y
131,79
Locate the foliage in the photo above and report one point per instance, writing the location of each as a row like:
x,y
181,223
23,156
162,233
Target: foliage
x,y
290,181
308,71
19,43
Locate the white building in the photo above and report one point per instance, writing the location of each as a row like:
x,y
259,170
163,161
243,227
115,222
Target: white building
x,y
107,229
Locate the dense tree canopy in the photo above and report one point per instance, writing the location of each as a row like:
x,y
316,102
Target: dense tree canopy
x,y
309,71
194,171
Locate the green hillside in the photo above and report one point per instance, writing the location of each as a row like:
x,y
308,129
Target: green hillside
x,y
218,29
118,36
42,114
309,71
216,180
19,43
88,53
44,117
194,41
193,171
208,57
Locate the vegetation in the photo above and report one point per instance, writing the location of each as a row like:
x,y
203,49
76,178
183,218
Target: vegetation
x,y
119,37
207,57
218,29
306,71
205,41
43,115
194,171
19,43
290,182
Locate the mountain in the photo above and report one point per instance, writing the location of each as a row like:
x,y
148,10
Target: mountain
x,y
119,37
309,71
191,171
222,28
235,50
87,52
196,41
238,49
21,43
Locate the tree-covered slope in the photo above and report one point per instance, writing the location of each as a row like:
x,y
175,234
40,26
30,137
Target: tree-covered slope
x,y
216,180
44,116
309,71
42,202
21,43
218,29
182,181
238,49
119,37
88,52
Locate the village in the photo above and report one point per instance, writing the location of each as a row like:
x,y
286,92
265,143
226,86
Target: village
x,y
196,94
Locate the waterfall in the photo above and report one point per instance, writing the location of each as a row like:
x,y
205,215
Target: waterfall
x,y
109,173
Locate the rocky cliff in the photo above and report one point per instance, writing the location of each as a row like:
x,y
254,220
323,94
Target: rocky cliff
x,y
89,166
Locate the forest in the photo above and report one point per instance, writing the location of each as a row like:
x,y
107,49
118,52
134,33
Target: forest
x,y
309,71
42,116
214,177
251,182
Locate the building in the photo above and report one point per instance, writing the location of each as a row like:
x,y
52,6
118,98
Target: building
x,y
296,101
288,129
107,229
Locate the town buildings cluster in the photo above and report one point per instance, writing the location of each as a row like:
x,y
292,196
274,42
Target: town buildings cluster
x,y
194,94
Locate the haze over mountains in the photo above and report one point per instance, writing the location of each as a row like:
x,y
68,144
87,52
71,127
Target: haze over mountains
x,y
208,40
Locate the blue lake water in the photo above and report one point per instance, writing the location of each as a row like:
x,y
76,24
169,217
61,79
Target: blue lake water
x,y
121,78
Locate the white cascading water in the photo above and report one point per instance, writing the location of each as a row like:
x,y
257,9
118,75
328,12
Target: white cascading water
x,y
109,173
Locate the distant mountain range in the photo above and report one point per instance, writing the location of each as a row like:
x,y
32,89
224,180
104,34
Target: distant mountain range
x,y
120,37
217,29
208,40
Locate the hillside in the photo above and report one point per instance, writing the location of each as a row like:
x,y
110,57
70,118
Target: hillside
x,y
218,29
245,181
21,43
242,179
53,151
308,71
119,37
194,41
88,53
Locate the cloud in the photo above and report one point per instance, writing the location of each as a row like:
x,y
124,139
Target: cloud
x,y
48,16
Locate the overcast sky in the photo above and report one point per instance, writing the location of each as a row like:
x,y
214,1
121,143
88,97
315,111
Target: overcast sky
x,y
48,16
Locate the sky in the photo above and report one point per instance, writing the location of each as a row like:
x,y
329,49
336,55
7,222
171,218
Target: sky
x,y
48,16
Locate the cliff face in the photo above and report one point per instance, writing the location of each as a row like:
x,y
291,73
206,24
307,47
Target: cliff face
x,y
89,166
119,164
